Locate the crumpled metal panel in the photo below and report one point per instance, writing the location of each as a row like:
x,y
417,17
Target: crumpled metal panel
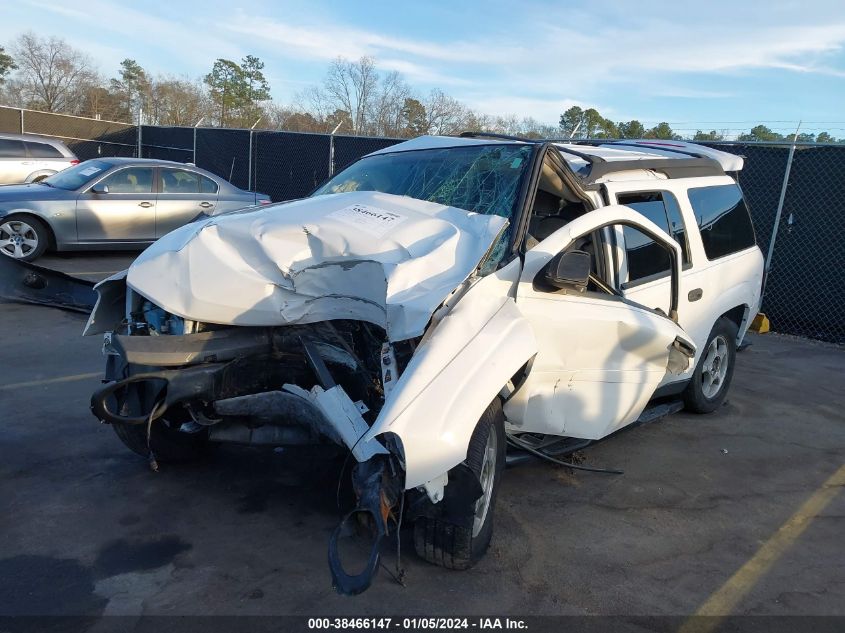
x,y
389,260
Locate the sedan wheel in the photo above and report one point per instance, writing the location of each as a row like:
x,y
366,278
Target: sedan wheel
x,y
22,239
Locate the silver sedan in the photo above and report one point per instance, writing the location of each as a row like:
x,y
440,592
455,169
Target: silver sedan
x,y
110,204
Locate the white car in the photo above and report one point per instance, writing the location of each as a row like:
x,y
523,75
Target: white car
x,y
31,158
432,302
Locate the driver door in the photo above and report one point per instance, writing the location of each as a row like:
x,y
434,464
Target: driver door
x,y
127,213
601,356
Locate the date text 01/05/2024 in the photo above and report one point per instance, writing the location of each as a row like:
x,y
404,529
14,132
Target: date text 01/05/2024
x,y
417,623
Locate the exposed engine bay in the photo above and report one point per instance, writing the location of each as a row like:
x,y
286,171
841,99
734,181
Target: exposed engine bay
x,y
320,383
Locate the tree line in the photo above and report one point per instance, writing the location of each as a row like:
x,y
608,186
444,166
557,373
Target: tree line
x,y
46,73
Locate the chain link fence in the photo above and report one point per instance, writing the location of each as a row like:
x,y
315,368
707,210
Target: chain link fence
x,y
87,138
805,291
805,286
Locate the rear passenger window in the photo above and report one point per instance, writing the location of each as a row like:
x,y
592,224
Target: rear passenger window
x,y
645,257
207,185
661,207
723,220
179,181
11,149
42,150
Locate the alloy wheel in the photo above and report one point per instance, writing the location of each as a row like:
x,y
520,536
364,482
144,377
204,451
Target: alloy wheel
x,y
17,239
487,478
714,367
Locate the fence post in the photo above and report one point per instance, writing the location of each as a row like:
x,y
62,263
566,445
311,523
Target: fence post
x,y
140,124
779,211
249,166
22,128
331,149
196,125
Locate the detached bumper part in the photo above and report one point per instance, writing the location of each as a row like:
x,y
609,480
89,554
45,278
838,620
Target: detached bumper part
x,y
29,283
378,489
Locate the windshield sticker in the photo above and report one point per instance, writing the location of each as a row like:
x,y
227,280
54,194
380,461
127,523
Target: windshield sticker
x,y
90,171
372,220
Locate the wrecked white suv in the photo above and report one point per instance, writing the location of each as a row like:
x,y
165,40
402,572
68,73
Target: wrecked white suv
x,y
429,304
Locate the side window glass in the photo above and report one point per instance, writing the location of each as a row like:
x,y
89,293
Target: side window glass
x,y
179,181
131,180
11,149
645,257
661,207
723,219
207,185
42,150
676,224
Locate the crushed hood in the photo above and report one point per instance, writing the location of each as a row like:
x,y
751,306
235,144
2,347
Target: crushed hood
x,y
389,260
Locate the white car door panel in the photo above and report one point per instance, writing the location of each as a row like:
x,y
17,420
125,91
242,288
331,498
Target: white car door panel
x,y
707,289
600,356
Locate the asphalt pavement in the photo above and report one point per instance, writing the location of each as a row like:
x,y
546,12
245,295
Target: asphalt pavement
x,y
729,511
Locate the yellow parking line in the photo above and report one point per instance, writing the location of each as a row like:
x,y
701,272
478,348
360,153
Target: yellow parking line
x,y
48,381
725,600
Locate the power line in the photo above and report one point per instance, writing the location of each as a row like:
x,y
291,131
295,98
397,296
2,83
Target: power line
x,y
795,122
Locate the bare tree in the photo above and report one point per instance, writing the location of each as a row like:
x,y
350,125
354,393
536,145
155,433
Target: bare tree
x,y
386,117
177,101
53,76
350,86
446,115
318,104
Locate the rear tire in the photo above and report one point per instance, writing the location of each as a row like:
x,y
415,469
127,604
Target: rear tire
x,y
169,445
712,377
453,546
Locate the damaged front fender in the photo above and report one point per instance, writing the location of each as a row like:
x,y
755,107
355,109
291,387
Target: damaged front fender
x,y
454,375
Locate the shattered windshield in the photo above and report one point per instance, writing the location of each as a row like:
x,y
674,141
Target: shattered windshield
x,y
480,178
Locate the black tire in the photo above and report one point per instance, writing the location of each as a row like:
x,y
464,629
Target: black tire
x,y
169,445
34,229
456,547
699,397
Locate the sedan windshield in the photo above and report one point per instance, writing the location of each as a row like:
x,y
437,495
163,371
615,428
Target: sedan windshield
x,y
480,178
78,176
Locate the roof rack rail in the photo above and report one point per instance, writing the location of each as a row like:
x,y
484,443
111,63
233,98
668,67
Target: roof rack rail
x,y
505,137
693,164
663,147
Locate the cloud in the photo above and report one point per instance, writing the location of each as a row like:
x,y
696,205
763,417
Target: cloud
x,y
189,42
554,57
533,61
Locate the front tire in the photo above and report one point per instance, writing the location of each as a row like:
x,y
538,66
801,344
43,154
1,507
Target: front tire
x,y
457,547
712,376
23,238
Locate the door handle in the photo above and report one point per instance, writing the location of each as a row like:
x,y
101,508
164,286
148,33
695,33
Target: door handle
x,y
695,295
206,205
146,205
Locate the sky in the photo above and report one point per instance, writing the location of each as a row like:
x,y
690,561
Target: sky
x,y
710,65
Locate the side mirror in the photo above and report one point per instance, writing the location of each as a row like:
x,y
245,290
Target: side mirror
x,y
570,269
100,188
